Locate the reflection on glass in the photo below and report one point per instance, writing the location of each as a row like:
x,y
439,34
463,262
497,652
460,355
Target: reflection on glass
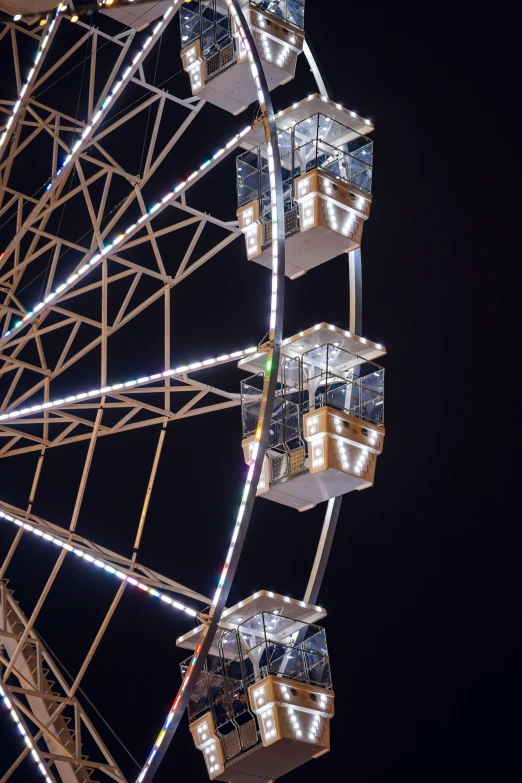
x,y
263,645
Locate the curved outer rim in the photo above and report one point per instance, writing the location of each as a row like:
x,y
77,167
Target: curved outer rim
x,y
269,388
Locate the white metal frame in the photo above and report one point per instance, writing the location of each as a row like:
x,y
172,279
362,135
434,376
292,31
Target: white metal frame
x,y
26,427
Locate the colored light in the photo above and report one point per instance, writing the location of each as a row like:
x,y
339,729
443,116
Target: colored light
x,y
96,562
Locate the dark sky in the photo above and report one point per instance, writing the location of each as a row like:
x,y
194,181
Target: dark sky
x,y
422,589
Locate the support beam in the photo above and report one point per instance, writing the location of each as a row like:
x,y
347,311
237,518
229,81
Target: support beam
x,y
29,523
323,550
47,702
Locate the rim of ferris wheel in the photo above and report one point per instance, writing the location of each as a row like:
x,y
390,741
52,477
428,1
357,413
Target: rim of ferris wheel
x,y
122,386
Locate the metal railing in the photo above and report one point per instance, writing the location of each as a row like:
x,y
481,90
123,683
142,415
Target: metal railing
x,y
220,60
291,224
204,21
331,380
265,644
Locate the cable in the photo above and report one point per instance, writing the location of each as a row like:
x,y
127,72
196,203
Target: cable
x,y
150,107
99,49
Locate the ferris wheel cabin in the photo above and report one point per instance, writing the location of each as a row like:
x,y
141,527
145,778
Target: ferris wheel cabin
x,y
216,60
327,427
327,163
264,700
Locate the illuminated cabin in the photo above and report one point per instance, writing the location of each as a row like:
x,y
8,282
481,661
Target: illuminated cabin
x,y
327,427
264,700
327,163
215,57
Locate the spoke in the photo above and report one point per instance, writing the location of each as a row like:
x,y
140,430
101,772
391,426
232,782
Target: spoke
x,y
178,372
90,552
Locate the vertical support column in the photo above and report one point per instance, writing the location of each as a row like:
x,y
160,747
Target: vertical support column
x,y
354,261
320,78
323,550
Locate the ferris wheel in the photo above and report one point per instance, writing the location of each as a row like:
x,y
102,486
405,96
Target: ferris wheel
x,y
257,683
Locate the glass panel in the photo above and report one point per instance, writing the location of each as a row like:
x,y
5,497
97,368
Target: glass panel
x,y
322,142
199,701
291,372
330,378
285,427
289,10
264,644
209,22
251,394
253,632
248,177
220,702
190,24
318,670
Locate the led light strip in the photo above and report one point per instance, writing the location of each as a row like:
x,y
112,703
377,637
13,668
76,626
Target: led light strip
x,y
45,406
129,231
273,317
126,76
325,99
273,304
21,728
99,564
40,51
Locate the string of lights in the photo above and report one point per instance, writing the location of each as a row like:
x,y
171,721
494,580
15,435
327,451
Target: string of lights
x,y
129,231
87,132
275,330
97,563
178,371
35,752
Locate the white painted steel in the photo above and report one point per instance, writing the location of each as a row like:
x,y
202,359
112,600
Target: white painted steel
x,y
61,296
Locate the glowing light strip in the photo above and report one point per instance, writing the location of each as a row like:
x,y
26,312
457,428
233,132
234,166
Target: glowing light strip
x,y
21,728
126,76
325,99
273,306
129,231
253,455
40,51
94,561
205,364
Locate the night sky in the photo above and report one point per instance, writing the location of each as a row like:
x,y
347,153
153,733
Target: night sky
x,y
423,585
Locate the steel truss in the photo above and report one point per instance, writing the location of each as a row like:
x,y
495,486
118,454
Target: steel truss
x,y
45,704
109,198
